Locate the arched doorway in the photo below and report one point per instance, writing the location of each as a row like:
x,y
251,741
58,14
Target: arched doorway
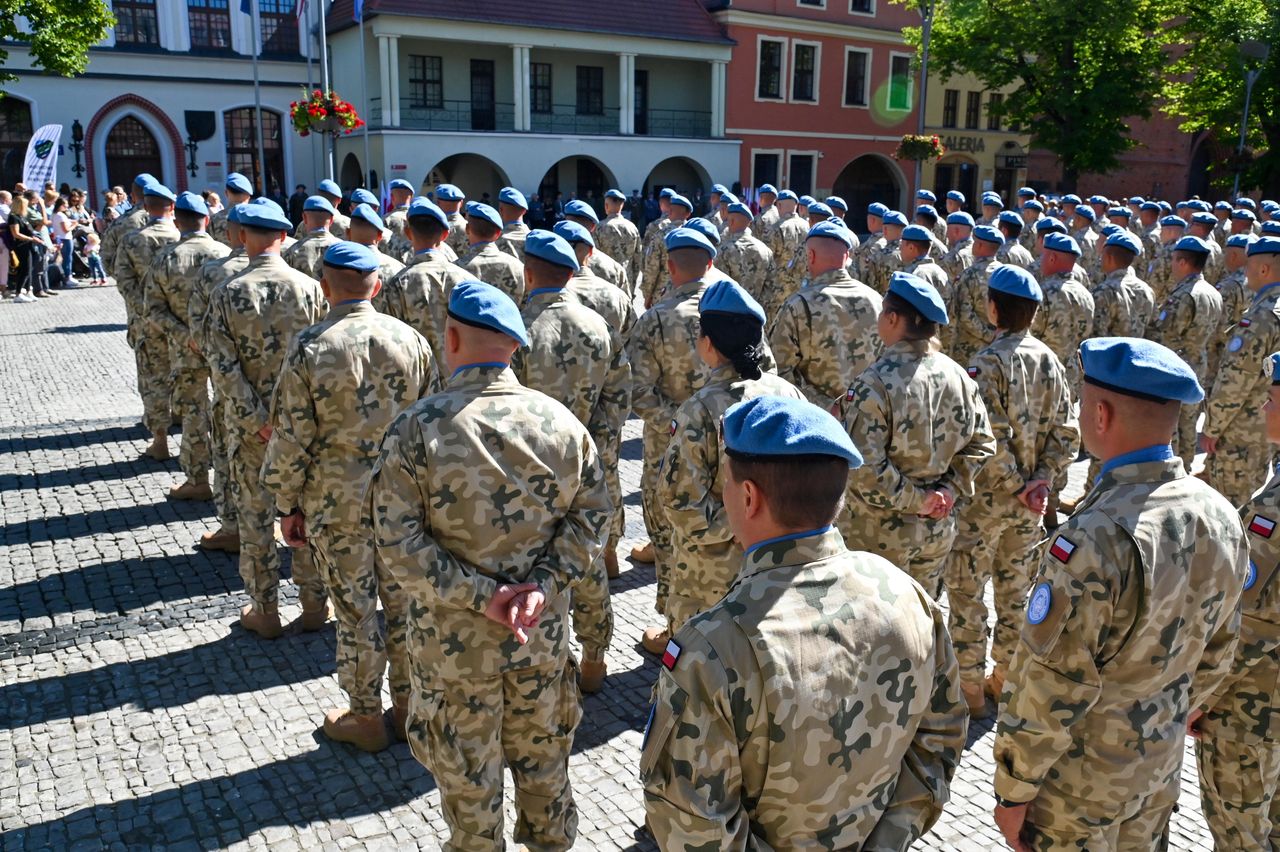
x,y
577,177
239,126
15,133
475,175
682,174
956,172
866,179
1201,165
131,149
349,174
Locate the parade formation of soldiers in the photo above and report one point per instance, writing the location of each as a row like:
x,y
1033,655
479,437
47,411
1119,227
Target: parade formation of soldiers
x,y
427,408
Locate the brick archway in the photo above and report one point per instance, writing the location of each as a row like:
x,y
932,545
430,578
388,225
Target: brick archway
x,y
155,114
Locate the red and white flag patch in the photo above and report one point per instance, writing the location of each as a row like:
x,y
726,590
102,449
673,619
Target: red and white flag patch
x,y
1245,323
673,427
849,394
1061,549
973,372
672,654
1261,526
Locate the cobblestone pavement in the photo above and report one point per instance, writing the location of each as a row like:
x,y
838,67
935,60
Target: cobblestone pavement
x,y
135,714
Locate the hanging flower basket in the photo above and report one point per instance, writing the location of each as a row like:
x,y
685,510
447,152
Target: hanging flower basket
x,y
321,112
913,147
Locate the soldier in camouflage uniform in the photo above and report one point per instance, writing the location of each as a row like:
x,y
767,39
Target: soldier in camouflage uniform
x,y
1131,623
251,320
743,750
927,217
397,243
744,258
1160,269
825,335
125,225
1122,302
450,199
960,235
1187,322
486,260
653,270
919,461
1087,238
488,563
617,236
603,266
916,259
238,191
151,350
167,303
343,382
1234,435
769,214
969,328
367,229
879,264
992,204
576,358
419,294
871,244
512,207
1237,726
1024,389
1065,317
332,193
1012,249
1032,211
1201,225
617,308
307,254
1235,293
705,559
787,245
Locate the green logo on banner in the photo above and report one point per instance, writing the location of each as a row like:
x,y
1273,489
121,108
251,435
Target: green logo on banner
x,y
43,148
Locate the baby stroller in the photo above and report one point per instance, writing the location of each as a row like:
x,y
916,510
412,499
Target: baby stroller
x,y
79,265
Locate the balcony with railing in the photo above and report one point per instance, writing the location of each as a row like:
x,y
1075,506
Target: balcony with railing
x,y
561,119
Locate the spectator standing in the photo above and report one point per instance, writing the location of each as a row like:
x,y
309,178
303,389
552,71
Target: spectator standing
x,y
25,241
5,200
37,272
60,228
296,201
93,256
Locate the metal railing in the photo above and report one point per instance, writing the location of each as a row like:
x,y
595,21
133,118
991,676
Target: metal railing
x,y
565,118
452,115
462,115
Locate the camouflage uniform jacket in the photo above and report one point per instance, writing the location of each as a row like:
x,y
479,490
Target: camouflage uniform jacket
x,y
927,268
958,258
747,261
344,381
608,269
825,336
338,227
1013,251
1132,622
174,275
252,319
1151,241
307,254
1236,296
388,266
1064,321
653,264
880,264
617,308
969,330
1160,271
1233,409
512,239
1188,320
212,274
218,226
492,265
457,239
395,221
109,251
691,485
137,252
905,453
1024,388
419,296
663,348
1215,266
451,524
766,220
1246,705
860,258
747,748
1088,242
1027,239
576,358
1122,305
617,237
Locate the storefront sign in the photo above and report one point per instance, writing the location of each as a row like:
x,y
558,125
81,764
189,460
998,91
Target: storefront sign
x,y
965,144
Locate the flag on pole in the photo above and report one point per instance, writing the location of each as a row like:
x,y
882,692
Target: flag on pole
x,y
42,157
357,11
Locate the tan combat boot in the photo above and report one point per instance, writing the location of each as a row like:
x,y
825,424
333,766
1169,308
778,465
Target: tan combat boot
x,y
611,563
400,719
221,539
976,700
644,552
315,615
266,623
158,449
994,684
591,676
655,640
191,491
367,733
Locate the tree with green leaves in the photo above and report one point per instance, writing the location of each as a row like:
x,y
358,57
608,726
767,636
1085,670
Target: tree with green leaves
x,y
1208,87
59,32
1081,68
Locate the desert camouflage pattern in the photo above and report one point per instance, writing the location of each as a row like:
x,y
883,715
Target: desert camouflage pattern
x,y
747,261
969,329
1122,305
928,269
419,296
119,229
619,238
457,239
617,308
854,749
1160,271
957,259
789,261
1087,239
217,226
307,254
1065,319
512,239
338,227
137,251
1132,623
878,265
606,268
653,262
766,220
1016,252
1187,322
496,266
388,267
860,258
1236,298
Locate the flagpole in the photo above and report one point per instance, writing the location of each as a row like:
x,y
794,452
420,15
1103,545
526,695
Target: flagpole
x,y
311,48
364,88
324,84
257,99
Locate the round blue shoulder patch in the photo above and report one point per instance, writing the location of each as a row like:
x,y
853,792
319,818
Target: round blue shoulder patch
x,y
1038,606
1252,576
1235,344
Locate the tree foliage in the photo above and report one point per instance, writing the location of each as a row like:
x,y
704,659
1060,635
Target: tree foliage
x,y
1079,68
59,32
1208,87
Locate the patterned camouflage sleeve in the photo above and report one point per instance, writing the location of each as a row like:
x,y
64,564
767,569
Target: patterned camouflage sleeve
x,y
647,400
593,611
1239,375
1062,435
784,340
248,412
293,429
689,475
988,373
1220,651
965,464
878,481
579,539
924,782
155,303
610,412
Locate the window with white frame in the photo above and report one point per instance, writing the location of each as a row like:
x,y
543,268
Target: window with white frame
x,y
766,167
804,72
899,95
862,7
857,65
802,167
769,69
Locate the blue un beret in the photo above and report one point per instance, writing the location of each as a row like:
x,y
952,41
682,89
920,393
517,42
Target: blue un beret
x,y
986,233
1271,229
1063,243
773,426
1245,201
1264,245
1050,225
1139,368
769,189
788,195
1026,192
319,202
145,178
1015,281
926,195
1086,213
582,210
678,199
1033,205
895,217
705,227
875,208
478,304
551,247
239,183
616,195
192,203
361,195
514,197
1125,240
485,212
1071,198
1240,240
927,210
726,296
817,208
449,192
233,212
1190,243
1275,369
423,206
329,187
830,230
572,233
960,218
719,188
1242,213
1098,199
1148,205
1009,217
917,234
728,198
365,213
920,294
1222,205
835,202
398,183
666,192
264,213
686,237
1173,222
349,255
740,208
156,189
956,195
990,199
1119,211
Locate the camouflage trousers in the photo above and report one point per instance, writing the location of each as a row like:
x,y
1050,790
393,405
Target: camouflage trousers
x,y
996,539
190,397
593,611
655,520
1240,790
1059,825
1237,471
151,355
223,491
699,579
259,561
356,581
917,545
464,731
1184,440
613,481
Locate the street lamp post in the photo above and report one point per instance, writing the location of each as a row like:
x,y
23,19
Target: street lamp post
x,y
926,27
1249,49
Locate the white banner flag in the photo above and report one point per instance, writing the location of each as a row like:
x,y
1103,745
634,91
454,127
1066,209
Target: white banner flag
x,y
42,157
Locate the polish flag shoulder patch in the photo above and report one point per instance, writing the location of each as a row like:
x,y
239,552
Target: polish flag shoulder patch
x,y
1062,549
1261,526
673,427
973,372
670,656
1245,323
849,394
